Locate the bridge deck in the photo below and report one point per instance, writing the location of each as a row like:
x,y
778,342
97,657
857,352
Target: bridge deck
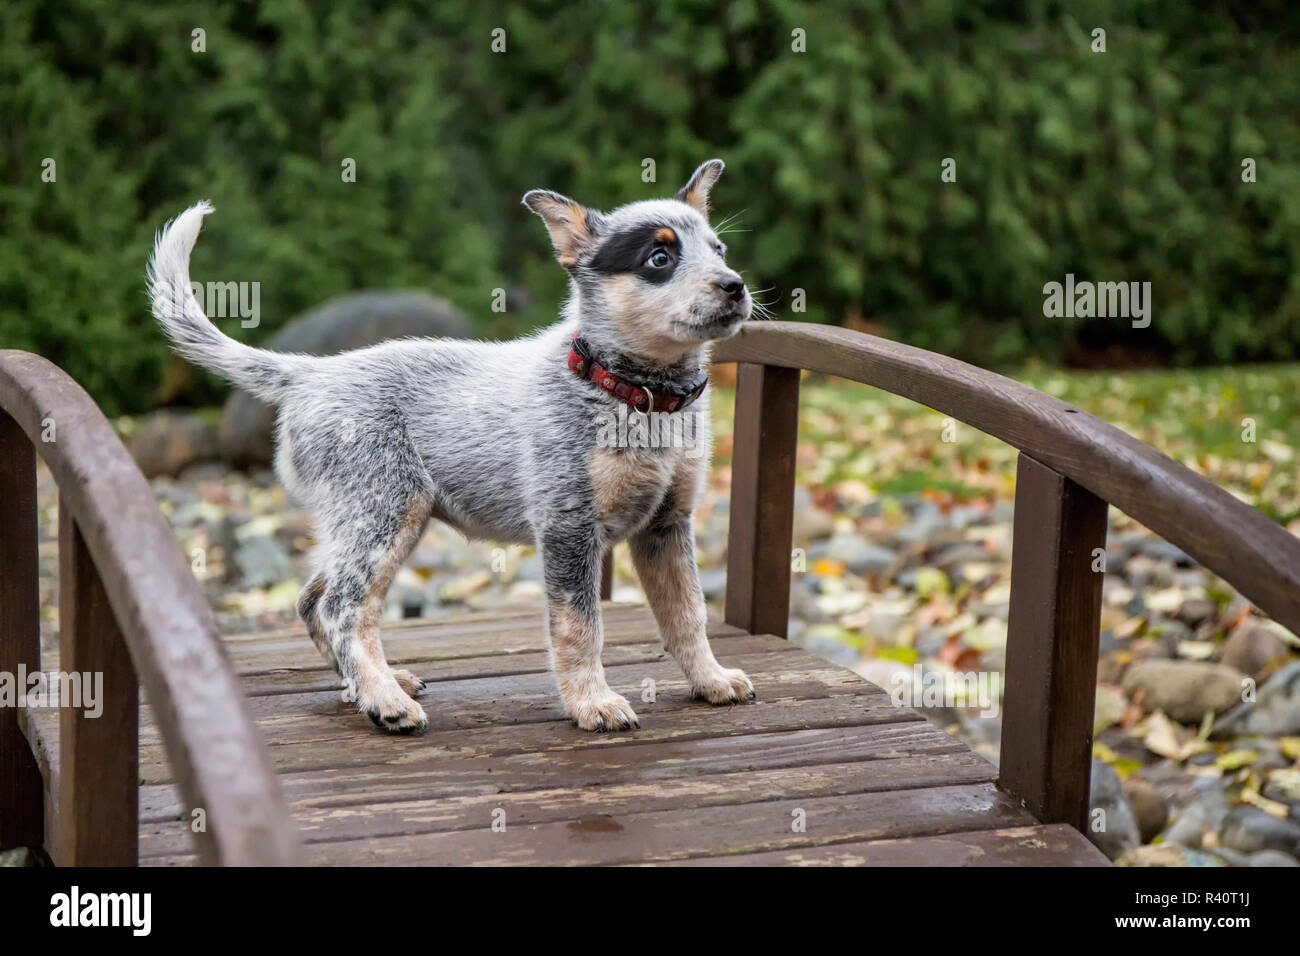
x,y
822,769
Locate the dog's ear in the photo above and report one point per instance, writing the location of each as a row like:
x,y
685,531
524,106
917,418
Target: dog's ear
x,y
696,191
572,226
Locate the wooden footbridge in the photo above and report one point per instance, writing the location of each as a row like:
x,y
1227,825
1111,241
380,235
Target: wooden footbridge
x,y
239,750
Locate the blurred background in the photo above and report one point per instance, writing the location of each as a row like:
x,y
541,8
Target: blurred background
x,y
1172,157
1122,165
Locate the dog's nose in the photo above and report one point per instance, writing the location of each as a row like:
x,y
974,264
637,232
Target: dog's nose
x,y
732,287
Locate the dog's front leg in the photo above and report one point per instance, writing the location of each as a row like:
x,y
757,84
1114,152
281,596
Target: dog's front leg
x,y
664,555
571,566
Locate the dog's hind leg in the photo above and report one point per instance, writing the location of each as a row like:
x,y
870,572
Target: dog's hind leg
x,y
308,599
366,549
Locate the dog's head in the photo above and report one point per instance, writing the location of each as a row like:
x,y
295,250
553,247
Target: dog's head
x,y
651,274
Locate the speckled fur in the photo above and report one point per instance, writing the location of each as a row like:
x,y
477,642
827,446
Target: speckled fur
x,y
499,440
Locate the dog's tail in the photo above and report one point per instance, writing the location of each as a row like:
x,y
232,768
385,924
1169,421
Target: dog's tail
x,y
266,374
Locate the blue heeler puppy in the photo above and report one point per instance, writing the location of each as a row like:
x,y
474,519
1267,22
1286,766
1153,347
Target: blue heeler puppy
x,y
499,440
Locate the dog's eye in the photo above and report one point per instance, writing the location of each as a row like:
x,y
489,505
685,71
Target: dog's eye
x,y
659,260
720,249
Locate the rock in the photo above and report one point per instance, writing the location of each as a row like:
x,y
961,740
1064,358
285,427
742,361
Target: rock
x,y
261,562
810,522
462,587
1165,854
1112,825
962,552
1250,829
22,856
1109,707
1188,829
346,322
1162,550
1283,785
922,527
713,581
1252,647
1272,858
168,441
891,676
859,555
528,590
1271,758
824,641
1141,572
1231,857
1196,611
1149,806
1184,690
1275,712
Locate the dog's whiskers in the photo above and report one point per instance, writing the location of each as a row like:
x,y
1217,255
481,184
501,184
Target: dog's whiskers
x,y
728,221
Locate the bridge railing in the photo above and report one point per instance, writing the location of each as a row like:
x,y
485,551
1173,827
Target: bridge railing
x,y
129,609
1071,466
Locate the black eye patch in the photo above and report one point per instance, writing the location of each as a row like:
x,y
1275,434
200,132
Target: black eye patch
x,y
629,252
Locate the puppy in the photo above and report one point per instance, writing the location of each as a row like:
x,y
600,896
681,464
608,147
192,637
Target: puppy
x,y
505,441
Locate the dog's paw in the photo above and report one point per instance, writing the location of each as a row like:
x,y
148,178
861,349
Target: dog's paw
x,y
408,682
601,711
349,692
725,685
392,709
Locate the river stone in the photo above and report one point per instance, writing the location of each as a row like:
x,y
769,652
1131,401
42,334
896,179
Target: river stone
x,y
1275,712
1250,829
1272,858
166,442
1150,807
1252,647
1166,854
343,323
260,561
1184,690
1112,825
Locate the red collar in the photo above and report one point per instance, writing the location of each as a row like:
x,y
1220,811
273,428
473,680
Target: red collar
x,y
583,364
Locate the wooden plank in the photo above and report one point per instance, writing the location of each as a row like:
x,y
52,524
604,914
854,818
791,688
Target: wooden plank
x,y
675,835
1052,634
308,731
98,775
602,839
762,499
385,774
22,820
771,774
320,678
794,698
515,697
1055,845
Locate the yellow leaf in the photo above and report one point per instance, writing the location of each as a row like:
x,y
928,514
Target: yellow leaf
x,y
1236,759
1265,804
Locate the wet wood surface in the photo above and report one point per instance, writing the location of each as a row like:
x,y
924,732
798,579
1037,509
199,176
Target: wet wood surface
x,y
823,769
